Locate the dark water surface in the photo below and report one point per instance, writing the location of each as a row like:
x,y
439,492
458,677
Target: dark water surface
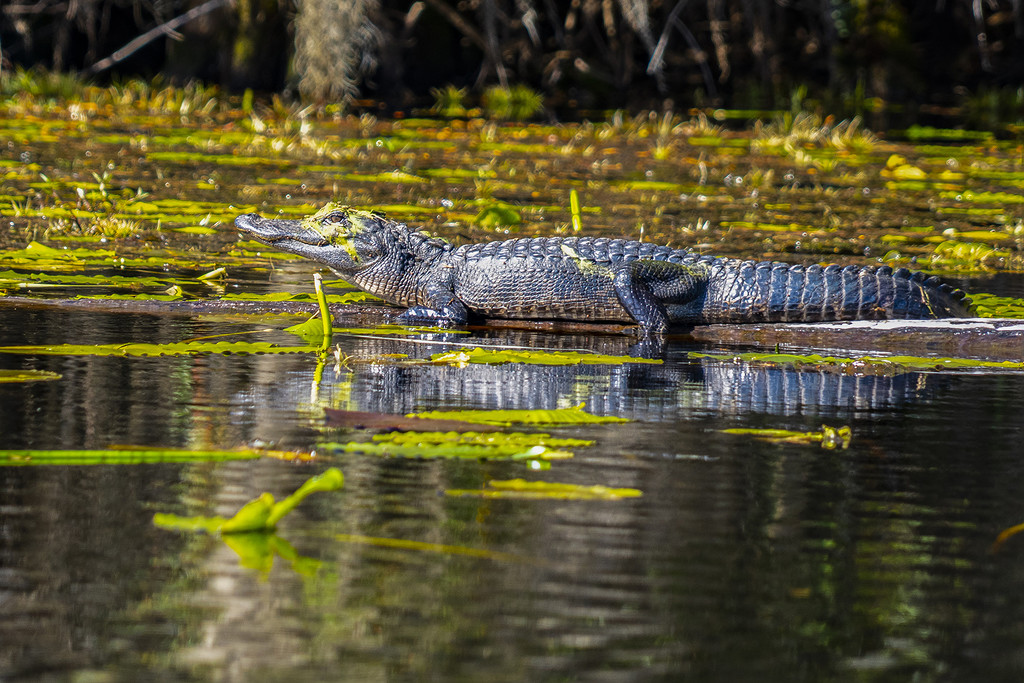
x,y
741,561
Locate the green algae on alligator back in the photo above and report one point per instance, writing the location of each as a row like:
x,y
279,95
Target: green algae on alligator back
x,y
583,279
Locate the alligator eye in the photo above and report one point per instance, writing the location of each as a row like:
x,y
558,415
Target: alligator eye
x,y
335,217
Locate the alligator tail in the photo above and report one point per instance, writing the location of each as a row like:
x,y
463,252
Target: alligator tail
x,y
778,292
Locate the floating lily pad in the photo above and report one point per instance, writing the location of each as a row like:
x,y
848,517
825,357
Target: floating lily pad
x,y
129,456
967,255
423,546
828,437
491,439
463,451
542,490
10,376
346,298
556,416
173,349
464,445
312,330
991,306
498,215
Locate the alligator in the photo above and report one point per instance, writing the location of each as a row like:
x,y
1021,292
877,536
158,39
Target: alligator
x,y
591,278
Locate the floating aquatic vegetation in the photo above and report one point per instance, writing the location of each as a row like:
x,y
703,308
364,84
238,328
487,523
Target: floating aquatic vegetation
x,y
516,103
449,101
556,416
790,132
516,439
984,197
259,515
980,235
356,419
175,295
897,168
10,278
829,437
132,456
312,330
497,215
438,548
388,177
250,532
956,255
542,490
536,448
450,450
13,376
870,365
354,297
132,349
478,355
36,252
916,132
655,185
991,306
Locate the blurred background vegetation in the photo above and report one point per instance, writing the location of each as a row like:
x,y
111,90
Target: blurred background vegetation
x,y
912,58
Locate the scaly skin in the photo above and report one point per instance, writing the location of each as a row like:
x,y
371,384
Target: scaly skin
x,y
592,279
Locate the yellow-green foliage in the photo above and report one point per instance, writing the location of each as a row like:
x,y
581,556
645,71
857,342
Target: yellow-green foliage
x,y
517,103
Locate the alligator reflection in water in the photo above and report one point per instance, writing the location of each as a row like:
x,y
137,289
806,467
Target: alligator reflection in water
x,y
646,392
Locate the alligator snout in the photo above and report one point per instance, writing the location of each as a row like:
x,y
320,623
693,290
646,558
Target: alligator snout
x,y
272,230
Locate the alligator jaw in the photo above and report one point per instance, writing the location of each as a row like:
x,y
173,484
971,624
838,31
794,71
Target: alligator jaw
x,y
280,232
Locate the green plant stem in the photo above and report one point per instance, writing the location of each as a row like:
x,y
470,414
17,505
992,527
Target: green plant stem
x,y
325,313
574,210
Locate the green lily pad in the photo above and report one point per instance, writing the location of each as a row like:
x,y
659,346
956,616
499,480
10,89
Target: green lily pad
x,y
828,437
991,306
312,330
498,215
10,376
542,490
346,298
140,349
491,439
463,445
128,456
469,451
556,416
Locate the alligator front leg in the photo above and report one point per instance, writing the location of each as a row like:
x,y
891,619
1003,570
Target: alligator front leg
x,y
442,308
644,287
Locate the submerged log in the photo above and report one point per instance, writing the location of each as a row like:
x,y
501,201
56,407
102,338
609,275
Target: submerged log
x,y
989,338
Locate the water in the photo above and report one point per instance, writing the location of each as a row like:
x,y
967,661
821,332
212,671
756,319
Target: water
x,y
742,560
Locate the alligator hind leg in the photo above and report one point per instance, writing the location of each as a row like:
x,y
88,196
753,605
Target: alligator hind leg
x,y
645,286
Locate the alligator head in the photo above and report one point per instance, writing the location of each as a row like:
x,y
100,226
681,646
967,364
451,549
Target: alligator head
x,y
344,239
